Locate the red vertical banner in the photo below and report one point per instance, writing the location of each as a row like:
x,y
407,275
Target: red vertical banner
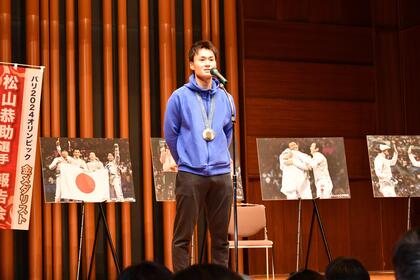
x,y
20,95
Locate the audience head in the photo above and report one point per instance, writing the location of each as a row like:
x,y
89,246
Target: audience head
x,y
306,274
406,257
146,271
344,268
206,272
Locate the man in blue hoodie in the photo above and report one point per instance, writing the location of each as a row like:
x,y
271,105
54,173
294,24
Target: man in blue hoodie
x,y
198,130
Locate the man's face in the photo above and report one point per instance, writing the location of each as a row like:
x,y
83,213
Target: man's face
x,y
313,148
386,152
203,62
92,156
64,154
293,146
76,154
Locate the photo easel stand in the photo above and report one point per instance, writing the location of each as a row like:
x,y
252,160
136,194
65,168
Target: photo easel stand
x,y
315,212
408,213
101,215
298,234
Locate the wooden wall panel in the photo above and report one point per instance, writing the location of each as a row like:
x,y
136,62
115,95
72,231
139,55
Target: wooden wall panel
x,y
46,222
331,11
410,59
282,218
251,157
289,10
292,118
385,13
123,125
409,13
355,12
146,129
357,158
348,12
365,225
112,90
6,236
280,79
388,82
415,212
254,10
410,64
167,86
347,235
335,219
332,68
394,224
5,31
398,14
73,215
307,42
282,228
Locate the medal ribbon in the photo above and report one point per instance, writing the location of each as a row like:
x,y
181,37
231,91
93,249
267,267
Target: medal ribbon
x,y
207,119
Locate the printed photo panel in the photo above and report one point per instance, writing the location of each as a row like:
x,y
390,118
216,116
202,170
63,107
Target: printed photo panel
x,y
86,169
165,170
394,165
302,168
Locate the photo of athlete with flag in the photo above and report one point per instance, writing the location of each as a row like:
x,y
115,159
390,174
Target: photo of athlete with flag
x,y
82,169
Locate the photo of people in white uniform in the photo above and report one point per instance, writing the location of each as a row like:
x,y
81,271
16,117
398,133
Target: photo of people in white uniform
x,y
165,170
88,169
302,168
395,165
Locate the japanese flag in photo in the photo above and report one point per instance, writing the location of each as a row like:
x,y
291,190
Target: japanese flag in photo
x,y
79,184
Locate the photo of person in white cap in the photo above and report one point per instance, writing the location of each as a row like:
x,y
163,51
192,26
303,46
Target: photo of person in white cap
x,y
383,170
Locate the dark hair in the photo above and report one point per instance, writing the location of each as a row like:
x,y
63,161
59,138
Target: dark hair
x,y
201,45
317,146
343,268
306,274
146,271
406,257
206,272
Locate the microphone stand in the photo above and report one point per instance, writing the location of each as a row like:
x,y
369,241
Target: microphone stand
x,y
234,178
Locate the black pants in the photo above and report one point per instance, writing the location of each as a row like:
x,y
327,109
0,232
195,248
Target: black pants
x,y
194,192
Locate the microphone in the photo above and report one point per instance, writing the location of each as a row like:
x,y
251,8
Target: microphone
x,y
219,76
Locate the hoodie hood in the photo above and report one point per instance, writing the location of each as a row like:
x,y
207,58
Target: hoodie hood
x,y
193,86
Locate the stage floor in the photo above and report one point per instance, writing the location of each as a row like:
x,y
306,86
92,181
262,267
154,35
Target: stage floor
x,y
374,275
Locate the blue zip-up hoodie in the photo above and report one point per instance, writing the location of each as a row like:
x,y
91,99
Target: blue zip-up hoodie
x,y
184,125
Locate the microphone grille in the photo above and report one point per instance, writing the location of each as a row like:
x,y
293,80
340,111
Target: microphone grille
x,y
214,71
